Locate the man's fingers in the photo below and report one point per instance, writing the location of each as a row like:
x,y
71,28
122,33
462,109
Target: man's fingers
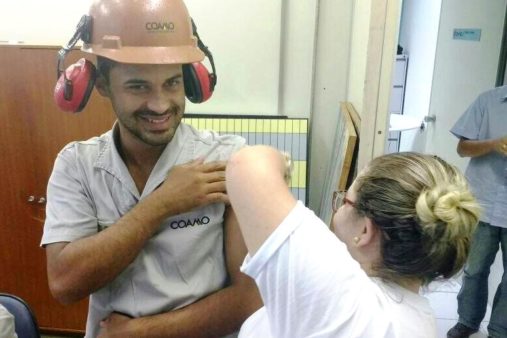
x,y
218,197
213,166
216,176
215,187
196,162
501,146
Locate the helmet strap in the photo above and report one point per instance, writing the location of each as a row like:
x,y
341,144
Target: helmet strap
x,y
83,32
206,51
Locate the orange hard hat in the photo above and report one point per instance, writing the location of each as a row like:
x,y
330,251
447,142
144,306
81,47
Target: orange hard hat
x,y
142,31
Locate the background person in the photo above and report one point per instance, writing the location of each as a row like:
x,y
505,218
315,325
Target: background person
x,y
405,221
482,133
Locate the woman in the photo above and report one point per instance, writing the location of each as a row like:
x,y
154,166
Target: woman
x,y
405,221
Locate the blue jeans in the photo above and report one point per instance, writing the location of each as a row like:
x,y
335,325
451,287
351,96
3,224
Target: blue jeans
x,y
473,296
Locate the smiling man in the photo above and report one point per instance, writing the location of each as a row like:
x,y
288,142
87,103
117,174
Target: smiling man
x,y
113,200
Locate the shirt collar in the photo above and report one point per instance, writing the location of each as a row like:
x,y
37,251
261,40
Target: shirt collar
x,y
109,159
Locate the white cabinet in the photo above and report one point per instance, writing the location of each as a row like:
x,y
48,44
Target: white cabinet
x,y
396,99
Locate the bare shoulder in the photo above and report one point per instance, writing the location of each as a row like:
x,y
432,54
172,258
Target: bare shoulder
x,y
258,192
255,157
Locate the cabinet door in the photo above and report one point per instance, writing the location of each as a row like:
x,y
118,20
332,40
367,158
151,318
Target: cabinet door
x,y
33,132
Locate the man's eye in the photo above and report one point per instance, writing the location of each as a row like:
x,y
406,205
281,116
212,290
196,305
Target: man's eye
x,y
138,87
174,82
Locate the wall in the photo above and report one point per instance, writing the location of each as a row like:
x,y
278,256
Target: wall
x,y
49,22
246,48
418,37
372,39
245,45
358,51
273,57
298,41
463,69
380,55
347,85
331,77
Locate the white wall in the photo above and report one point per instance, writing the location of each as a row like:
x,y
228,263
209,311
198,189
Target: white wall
x,y
243,36
298,48
462,70
331,77
49,22
358,52
284,57
418,37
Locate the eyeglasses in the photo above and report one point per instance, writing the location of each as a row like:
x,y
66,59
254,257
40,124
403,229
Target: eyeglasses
x,y
339,199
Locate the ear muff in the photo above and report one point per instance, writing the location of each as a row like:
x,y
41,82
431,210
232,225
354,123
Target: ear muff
x,y
198,82
74,86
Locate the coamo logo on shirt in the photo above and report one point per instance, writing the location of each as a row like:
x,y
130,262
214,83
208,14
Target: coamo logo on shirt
x,y
185,223
159,26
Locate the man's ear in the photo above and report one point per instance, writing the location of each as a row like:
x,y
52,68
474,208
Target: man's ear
x,y
370,232
102,86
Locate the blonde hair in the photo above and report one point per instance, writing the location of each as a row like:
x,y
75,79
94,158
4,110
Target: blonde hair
x,y
425,210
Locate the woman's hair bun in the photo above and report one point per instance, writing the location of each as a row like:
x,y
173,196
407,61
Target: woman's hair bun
x,y
451,206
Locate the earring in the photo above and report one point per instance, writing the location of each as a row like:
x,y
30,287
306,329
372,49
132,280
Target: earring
x,y
356,239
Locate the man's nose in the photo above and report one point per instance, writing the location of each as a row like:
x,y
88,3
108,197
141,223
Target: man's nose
x,y
159,102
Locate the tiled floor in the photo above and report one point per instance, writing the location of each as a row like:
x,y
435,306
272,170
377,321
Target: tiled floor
x,y
442,297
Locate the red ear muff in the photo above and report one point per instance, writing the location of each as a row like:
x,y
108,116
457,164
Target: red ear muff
x,y
198,82
74,86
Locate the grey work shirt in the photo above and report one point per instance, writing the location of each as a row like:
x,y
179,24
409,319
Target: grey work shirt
x,y
486,118
90,188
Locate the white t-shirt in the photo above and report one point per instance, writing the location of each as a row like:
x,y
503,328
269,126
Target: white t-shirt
x,y
312,287
6,324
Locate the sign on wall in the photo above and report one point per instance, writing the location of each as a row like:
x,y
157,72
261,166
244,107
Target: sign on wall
x,y
470,34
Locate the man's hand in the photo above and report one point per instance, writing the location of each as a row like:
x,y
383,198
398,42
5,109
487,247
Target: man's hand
x,y
116,325
476,148
501,146
193,185
289,167
94,261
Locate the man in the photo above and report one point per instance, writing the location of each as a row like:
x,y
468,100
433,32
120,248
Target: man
x,y
482,131
137,218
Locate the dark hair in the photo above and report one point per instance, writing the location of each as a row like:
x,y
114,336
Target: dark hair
x,y
104,66
425,211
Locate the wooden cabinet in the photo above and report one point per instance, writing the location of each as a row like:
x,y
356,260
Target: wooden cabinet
x,y
33,130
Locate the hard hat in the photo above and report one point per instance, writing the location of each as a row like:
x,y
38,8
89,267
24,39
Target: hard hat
x,y
135,32
142,31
